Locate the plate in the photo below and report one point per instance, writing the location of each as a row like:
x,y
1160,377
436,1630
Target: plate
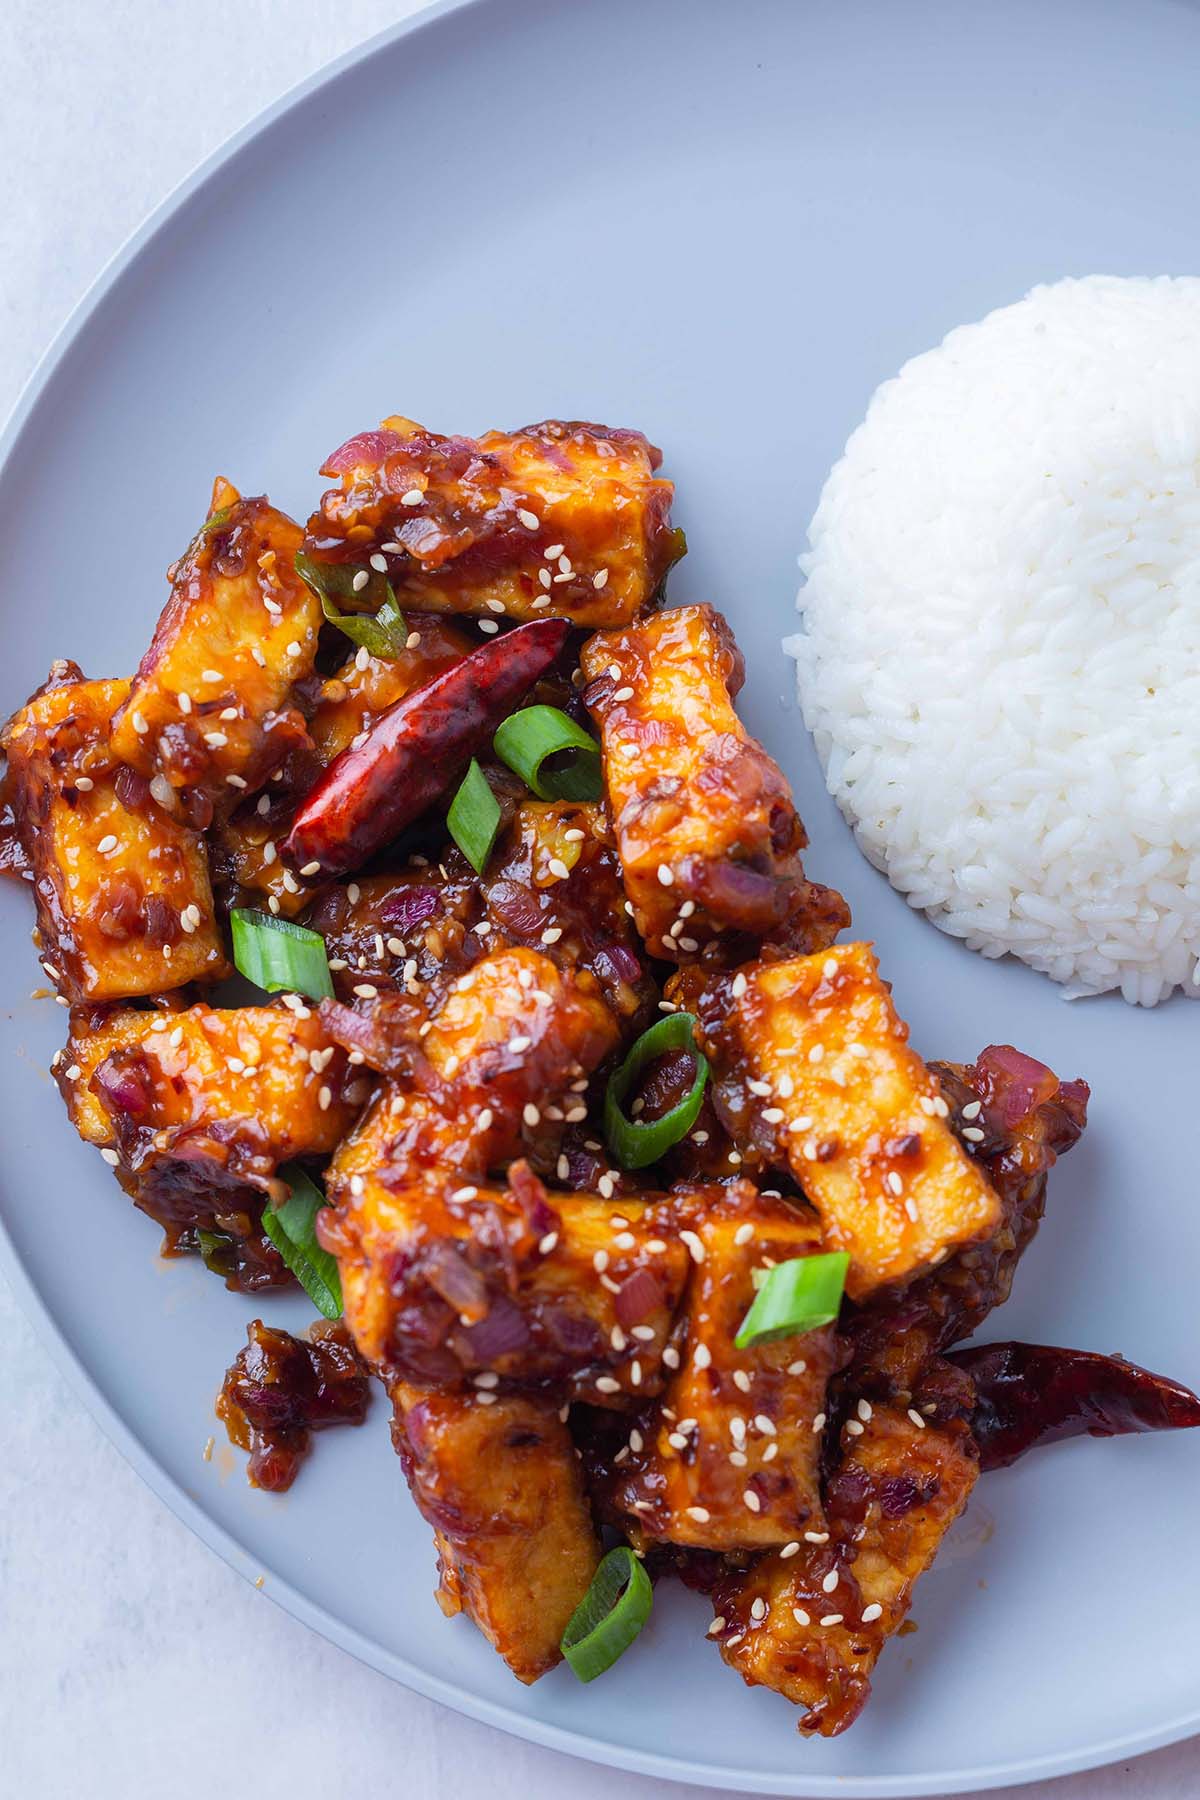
x,y
724,224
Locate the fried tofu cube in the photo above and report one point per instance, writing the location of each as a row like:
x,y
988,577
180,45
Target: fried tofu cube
x,y
444,1279
209,706
811,1624
197,1110
400,932
813,1064
708,836
497,1477
124,905
729,1459
467,525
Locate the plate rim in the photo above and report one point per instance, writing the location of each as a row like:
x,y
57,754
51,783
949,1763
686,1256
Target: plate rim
x,y
55,1340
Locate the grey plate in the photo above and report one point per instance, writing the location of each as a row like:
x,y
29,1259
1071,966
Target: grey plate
x,y
724,223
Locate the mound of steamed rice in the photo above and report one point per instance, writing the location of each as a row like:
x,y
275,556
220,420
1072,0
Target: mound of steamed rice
x,y
1001,655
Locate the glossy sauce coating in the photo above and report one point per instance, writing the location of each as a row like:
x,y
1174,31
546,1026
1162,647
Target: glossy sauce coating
x,y
279,1389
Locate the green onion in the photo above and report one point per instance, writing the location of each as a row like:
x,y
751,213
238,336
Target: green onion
x,y
277,955
610,1615
474,818
214,1250
528,740
292,1229
382,633
633,1143
797,1296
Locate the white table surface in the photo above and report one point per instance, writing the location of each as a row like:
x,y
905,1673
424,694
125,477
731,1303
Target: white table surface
x,y
132,1661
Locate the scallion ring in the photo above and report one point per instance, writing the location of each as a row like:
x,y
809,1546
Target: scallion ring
x,y
474,818
635,1143
382,633
610,1615
292,1228
797,1296
279,956
529,739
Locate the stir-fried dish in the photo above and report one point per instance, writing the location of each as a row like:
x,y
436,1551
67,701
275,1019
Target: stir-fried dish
x,y
563,1094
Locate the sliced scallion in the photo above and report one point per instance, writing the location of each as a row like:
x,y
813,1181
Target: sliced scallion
x,y
279,956
292,1228
530,738
474,818
382,633
610,1615
635,1143
797,1296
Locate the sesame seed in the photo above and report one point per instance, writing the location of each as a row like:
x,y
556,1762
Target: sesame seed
x,y
854,1428
759,1609
366,990
773,1115
606,1186
670,1357
894,1182
910,1207
832,1619
269,853
743,1234
488,626
518,1045
210,675
530,1114
665,875
552,552
701,1514
464,1193
625,693
484,1397
677,1440
752,1500
625,1240
765,1425
606,1385
940,1107
817,1053
544,577
694,1245
139,724
546,1244
973,1110
552,934
741,1381
600,578
657,1247
412,640
800,1616
829,967
357,1184
600,1261
107,845
486,1378
718,1625
558,868
324,1099
529,520
818,1423
871,1613
484,1118
110,1157
916,1418
701,1357
973,1134
74,1072
217,739
234,781
798,1367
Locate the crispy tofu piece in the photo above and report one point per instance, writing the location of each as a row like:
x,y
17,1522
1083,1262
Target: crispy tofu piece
x,y
467,524
366,685
729,1459
578,920
813,1065
124,905
497,1477
784,1624
209,706
401,932
196,1111
708,836
444,1279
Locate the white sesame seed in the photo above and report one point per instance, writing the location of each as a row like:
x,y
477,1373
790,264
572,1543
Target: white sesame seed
x,y
234,781
139,723
366,990
694,1245
817,1053
546,1244
269,853
894,1182
607,1186
854,1428
530,1114
818,1423
670,1357
217,739
973,1134
916,1418
552,552
973,1109
622,694
324,1099
798,1367
759,1609
701,1357
74,1072
558,868
528,519
743,1234
741,1380
832,1619
552,934
871,1613
110,1157
488,626
107,845
666,875
518,1045
544,577
464,1193
764,1424
600,578
752,1500
606,1385
940,1107
910,1207
773,1115
484,1397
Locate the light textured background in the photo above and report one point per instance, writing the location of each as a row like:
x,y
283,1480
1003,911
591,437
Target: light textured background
x,y
132,1661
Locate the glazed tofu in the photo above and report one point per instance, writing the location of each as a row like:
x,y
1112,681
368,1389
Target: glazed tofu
x,y
810,1622
707,833
209,709
497,1477
124,905
812,1063
400,933
578,919
729,1459
197,1110
562,518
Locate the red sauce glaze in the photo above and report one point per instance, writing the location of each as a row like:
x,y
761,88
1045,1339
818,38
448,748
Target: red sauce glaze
x,y
280,1389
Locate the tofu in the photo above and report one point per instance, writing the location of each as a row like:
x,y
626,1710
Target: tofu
x,y
729,1459
812,1063
210,706
466,525
387,931
707,833
366,686
124,903
498,1479
902,1486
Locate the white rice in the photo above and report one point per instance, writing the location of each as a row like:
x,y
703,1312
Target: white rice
x,y
1001,656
